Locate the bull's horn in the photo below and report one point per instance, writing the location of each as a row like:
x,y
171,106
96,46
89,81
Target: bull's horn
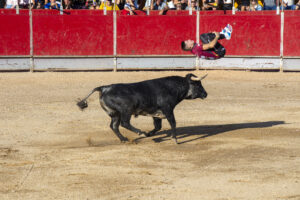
x,y
203,77
198,79
195,78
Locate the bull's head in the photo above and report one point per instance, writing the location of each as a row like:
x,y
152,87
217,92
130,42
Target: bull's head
x,y
196,89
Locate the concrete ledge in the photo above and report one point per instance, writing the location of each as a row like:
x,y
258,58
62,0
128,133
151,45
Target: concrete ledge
x,y
291,64
73,63
241,63
13,63
156,63
145,63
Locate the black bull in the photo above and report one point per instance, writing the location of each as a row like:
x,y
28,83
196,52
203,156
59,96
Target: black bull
x,y
156,98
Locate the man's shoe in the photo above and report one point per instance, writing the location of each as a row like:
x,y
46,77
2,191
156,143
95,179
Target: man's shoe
x,y
227,32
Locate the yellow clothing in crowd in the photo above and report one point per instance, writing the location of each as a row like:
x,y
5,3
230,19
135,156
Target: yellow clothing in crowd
x,y
111,7
260,3
236,5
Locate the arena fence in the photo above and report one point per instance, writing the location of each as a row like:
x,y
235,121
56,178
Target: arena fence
x,y
96,40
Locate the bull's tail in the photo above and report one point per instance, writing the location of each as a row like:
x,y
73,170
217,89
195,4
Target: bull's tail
x,y
82,104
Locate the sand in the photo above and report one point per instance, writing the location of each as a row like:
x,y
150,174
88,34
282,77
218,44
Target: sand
x,y
242,142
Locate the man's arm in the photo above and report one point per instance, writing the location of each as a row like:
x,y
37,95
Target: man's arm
x,y
212,43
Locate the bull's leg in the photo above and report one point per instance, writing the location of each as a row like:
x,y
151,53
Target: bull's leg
x,y
125,122
114,125
157,126
172,122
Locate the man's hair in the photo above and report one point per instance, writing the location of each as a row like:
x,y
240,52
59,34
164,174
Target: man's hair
x,y
183,47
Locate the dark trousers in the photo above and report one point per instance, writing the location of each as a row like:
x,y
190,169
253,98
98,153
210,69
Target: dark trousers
x,y
218,49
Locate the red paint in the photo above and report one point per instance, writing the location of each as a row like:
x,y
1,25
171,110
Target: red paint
x,y
253,34
90,33
291,46
155,35
14,33
76,33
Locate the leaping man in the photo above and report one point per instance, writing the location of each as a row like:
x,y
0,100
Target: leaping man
x,y
210,48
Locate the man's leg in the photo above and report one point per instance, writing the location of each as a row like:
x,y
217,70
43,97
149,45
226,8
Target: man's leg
x,y
208,37
218,49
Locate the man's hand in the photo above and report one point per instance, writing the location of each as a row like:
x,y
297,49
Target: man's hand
x,y
217,34
212,43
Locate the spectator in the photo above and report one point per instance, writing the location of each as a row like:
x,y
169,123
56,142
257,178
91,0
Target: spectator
x,y
178,4
297,6
159,5
184,4
287,5
227,5
245,6
91,4
2,3
193,5
237,5
129,8
11,4
53,5
210,4
109,5
68,4
255,5
141,4
270,4
23,4
78,4
136,4
120,4
171,5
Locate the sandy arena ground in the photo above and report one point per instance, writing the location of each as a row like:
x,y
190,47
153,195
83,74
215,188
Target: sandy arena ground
x,y
242,142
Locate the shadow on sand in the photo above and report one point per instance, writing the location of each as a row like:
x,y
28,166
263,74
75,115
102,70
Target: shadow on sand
x,y
210,130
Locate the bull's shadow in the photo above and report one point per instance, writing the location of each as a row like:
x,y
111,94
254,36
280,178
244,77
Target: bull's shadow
x,y
210,130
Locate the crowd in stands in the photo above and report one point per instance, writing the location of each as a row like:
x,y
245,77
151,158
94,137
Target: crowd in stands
x,y
129,7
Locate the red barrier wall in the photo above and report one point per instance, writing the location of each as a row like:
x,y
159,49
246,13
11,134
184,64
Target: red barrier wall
x,y
76,33
90,33
155,35
254,33
14,33
291,46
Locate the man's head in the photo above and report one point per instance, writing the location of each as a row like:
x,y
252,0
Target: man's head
x,y
187,45
108,3
178,5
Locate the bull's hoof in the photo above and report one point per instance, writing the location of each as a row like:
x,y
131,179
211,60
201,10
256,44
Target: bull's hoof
x,y
124,140
142,133
176,142
151,133
175,139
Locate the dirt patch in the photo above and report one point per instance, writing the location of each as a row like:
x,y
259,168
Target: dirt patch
x,y
242,142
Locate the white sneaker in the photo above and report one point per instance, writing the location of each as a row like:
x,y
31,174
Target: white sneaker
x,y
227,31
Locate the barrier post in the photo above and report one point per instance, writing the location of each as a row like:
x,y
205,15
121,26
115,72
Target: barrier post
x,y
277,8
104,9
198,37
31,40
148,4
281,40
233,8
115,38
17,8
61,12
190,8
